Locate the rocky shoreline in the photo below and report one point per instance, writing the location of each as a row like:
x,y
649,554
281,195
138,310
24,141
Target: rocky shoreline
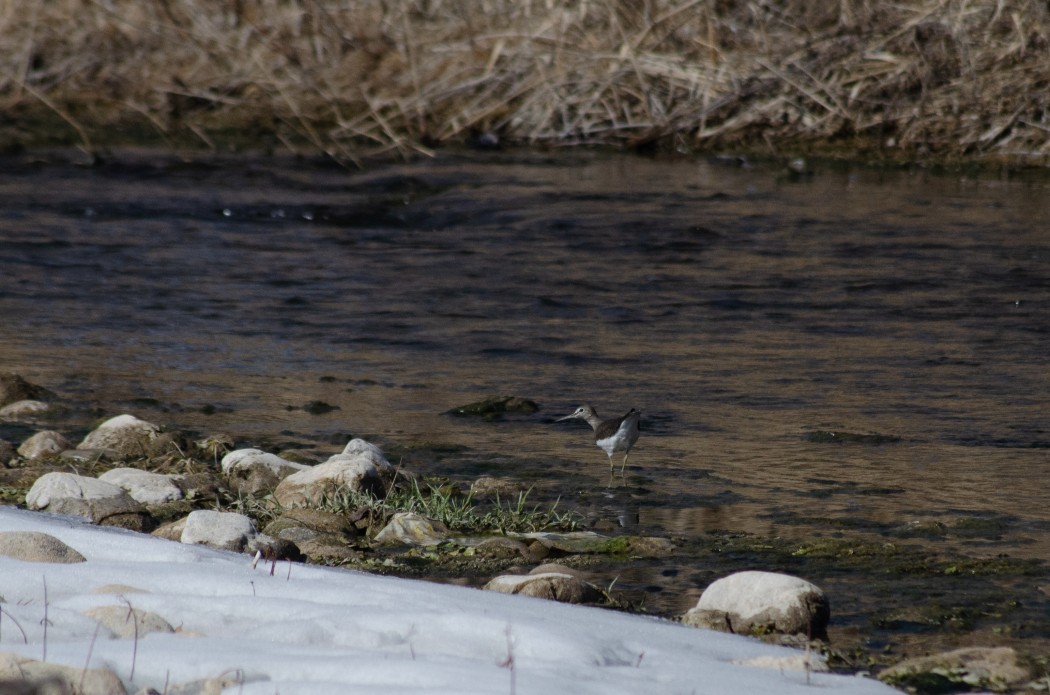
x,y
358,510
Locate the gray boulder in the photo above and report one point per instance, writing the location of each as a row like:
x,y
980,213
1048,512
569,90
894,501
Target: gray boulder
x,y
33,546
752,601
342,472
78,495
42,444
15,388
554,586
144,486
255,472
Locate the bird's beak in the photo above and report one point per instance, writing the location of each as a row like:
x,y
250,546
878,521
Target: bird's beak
x,y
567,417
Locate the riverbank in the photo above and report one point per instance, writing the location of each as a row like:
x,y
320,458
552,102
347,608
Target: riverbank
x,y
928,80
891,599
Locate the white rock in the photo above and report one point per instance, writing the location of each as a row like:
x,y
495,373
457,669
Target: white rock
x,y
374,453
122,433
46,443
253,472
20,409
354,472
751,600
224,530
79,495
144,486
129,624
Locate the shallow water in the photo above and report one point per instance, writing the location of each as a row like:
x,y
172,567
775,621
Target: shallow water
x,y
739,308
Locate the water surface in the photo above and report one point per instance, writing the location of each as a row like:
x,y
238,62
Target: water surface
x,y
739,308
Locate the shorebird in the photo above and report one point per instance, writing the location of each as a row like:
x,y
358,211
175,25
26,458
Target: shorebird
x,y
616,434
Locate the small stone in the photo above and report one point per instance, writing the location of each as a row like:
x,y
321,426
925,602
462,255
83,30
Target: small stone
x,y
490,486
44,444
495,407
33,546
503,549
983,668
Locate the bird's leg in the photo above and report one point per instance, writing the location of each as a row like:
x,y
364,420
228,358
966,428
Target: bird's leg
x,y
623,465
610,467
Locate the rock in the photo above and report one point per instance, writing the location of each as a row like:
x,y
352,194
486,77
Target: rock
x,y
973,668
326,550
7,452
410,528
129,623
43,444
495,407
749,602
255,472
32,546
69,679
20,410
374,454
808,661
215,445
125,434
171,531
589,542
223,530
554,586
342,472
15,388
314,520
491,486
503,549
99,501
143,486
555,568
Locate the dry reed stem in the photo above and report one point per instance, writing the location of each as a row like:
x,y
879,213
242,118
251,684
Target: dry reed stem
x,y
947,77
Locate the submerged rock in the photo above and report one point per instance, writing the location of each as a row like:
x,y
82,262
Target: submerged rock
x,y
750,602
33,546
492,486
554,586
495,407
44,444
409,528
23,410
125,434
78,495
255,472
14,388
972,668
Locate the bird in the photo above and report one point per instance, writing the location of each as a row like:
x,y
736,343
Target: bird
x,y
615,434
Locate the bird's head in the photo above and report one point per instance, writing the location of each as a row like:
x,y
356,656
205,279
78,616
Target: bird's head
x,y
581,413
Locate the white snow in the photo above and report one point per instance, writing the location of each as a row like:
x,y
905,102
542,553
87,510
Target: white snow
x,y
314,630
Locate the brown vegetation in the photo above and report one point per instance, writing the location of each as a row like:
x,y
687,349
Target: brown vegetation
x,y
915,78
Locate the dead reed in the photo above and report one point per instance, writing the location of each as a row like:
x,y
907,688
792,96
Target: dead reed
x,y
911,79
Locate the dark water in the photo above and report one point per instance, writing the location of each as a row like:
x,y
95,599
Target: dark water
x,y
739,308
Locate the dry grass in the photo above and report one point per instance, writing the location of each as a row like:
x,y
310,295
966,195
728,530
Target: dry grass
x,y
940,78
